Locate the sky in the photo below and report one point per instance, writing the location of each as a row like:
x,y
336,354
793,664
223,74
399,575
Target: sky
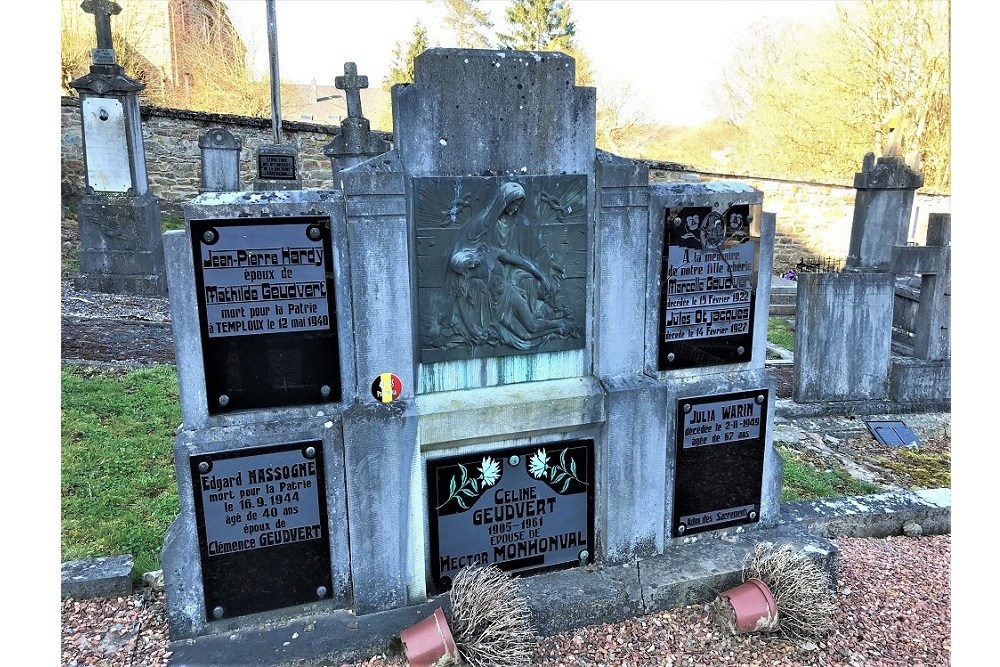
x,y
670,50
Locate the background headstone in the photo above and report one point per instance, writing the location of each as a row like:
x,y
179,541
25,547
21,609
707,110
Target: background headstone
x,y
220,160
120,221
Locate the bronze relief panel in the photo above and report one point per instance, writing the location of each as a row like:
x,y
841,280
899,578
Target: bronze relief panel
x,y
501,265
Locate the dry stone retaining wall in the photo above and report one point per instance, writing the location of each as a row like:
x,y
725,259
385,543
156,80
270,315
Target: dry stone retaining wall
x,y
814,219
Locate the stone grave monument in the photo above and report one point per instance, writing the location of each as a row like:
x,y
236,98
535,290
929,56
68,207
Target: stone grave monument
x,y
120,221
854,360
356,142
493,344
220,160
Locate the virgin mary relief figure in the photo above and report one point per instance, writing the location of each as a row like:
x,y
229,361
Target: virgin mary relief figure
x,y
503,287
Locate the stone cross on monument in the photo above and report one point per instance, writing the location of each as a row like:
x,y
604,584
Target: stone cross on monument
x,y
356,142
102,10
352,84
120,222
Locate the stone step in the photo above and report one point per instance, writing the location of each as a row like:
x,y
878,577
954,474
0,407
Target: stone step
x,y
781,310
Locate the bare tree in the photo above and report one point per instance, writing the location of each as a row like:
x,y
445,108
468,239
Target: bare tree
x,y
811,101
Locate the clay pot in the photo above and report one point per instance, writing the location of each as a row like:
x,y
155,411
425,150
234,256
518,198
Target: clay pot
x,y
429,640
753,607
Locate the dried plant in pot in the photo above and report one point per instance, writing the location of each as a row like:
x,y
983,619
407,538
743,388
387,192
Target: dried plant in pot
x,y
801,590
490,624
490,619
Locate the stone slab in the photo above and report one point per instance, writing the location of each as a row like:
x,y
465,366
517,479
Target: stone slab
x,y
107,577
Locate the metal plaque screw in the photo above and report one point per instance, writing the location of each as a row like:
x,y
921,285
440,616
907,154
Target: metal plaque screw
x,y
749,218
760,399
321,592
310,452
670,357
223,400
218,612
681,528
514,460
687,407
209,236
203,467
740,350
583,556
315,233
325,391
753,515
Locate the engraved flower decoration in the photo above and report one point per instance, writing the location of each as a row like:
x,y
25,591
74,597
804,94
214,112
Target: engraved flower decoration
x,y
466,486
489,471
538,464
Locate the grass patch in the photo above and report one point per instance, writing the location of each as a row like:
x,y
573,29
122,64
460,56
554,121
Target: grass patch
x,y
780,333
172,223
71,262
119,492
925,470
802,481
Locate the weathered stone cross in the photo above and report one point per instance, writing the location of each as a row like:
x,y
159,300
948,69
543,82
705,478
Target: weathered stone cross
x,y
102,11
352,84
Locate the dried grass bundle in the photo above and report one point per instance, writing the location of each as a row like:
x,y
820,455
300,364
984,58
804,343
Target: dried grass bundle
x,y
803,592
490,621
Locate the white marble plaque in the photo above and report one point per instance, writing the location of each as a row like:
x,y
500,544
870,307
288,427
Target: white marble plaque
x,y
106,145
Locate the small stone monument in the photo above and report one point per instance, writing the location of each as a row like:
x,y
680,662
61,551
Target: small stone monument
x,y
356,142
220,160
278,168
120,221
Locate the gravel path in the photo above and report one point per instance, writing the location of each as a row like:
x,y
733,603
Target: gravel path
x,y
894,611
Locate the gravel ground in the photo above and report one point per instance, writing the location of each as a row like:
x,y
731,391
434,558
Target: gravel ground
x,y
894,598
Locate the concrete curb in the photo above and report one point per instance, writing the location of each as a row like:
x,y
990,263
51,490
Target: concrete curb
x,y
693,572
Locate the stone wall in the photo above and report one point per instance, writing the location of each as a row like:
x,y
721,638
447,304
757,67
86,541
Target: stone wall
x,y
814,219
173,159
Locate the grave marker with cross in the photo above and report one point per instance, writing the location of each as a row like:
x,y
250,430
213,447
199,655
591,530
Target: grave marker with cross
x,y
102,10
352,84
355,142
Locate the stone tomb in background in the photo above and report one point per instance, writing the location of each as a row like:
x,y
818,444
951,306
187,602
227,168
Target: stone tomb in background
x,y
487,348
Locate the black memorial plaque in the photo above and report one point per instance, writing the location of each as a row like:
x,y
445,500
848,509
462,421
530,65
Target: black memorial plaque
x,y
720,461
707,288
524,510
268,314
262,528
276,167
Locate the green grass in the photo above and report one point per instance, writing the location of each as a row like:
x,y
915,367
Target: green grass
x,y
119,492
172,223
780,333
802,481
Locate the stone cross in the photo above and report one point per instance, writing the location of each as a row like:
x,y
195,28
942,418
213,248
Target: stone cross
x,y
352,84
102,11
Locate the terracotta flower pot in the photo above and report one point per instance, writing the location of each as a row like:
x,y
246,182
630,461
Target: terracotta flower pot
x,y
429,640
753,607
